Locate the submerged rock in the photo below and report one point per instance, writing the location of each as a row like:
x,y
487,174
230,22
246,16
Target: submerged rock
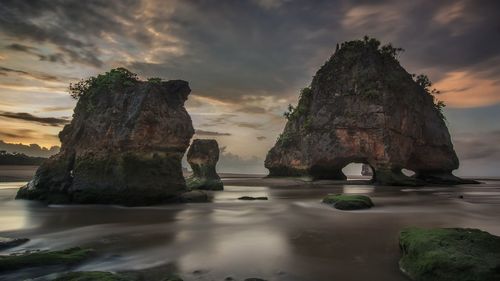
x,y
202,156
11,242
123,146
250,198
348,202
363,107
456,254
195,196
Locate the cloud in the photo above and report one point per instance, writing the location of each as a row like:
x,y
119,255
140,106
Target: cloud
x,y
233,163
4,71
474,146
48,121
56,108
210,133
251,109
56,57
248,125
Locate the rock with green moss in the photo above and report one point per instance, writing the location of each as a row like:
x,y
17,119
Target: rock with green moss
x,y
43,258
348,201
202,156
92,276
123,146
450,254
363,107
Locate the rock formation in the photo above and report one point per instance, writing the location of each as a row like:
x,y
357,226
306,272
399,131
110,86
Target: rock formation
x,y
363,107
202,156
366,170
123,146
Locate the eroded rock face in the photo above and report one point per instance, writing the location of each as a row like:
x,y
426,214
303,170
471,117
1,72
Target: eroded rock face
x,y
123,146
363,107
202,156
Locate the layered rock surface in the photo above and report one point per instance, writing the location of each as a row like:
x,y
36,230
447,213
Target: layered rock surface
x,y
202,156
123,146
363,107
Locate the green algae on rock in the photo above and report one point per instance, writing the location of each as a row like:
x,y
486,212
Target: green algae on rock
x,y
123,146
42,258
450,254
348,201
202,156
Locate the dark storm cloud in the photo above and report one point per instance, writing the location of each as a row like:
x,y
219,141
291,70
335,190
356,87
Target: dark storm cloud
x,y
73,26
48,121
20,48
210,133
231,49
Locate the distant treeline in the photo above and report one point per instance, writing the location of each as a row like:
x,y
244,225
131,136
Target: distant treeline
x,y
30,150
19,159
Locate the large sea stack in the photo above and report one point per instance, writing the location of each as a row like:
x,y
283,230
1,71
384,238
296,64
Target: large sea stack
x,y
363,107
123,146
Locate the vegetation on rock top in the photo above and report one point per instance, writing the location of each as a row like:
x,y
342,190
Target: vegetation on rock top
x,y
117,78
450,254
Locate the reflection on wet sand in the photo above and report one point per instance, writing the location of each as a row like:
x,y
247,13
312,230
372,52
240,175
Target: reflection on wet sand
x,y
292,236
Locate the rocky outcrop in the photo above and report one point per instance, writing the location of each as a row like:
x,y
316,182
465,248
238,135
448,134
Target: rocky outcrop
x,y
123,146
363,107
366,170
202,157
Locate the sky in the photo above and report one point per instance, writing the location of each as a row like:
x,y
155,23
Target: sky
x,y
245,62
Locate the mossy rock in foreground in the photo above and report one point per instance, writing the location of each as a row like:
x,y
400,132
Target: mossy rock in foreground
x,y
31,259
91,276
450,254
103,276
348,202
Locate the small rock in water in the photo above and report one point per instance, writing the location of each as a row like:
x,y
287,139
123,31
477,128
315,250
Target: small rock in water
x,y
194,196
11,242
250,198
348,202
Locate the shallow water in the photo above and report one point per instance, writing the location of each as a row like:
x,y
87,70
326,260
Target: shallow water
x,y
292,236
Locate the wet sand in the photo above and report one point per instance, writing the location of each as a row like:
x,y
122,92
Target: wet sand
x,y
292,236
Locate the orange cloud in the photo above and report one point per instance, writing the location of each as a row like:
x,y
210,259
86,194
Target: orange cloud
x,y
465,89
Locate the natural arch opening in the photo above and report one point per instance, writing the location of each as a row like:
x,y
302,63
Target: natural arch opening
x,y
408,172
356,170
